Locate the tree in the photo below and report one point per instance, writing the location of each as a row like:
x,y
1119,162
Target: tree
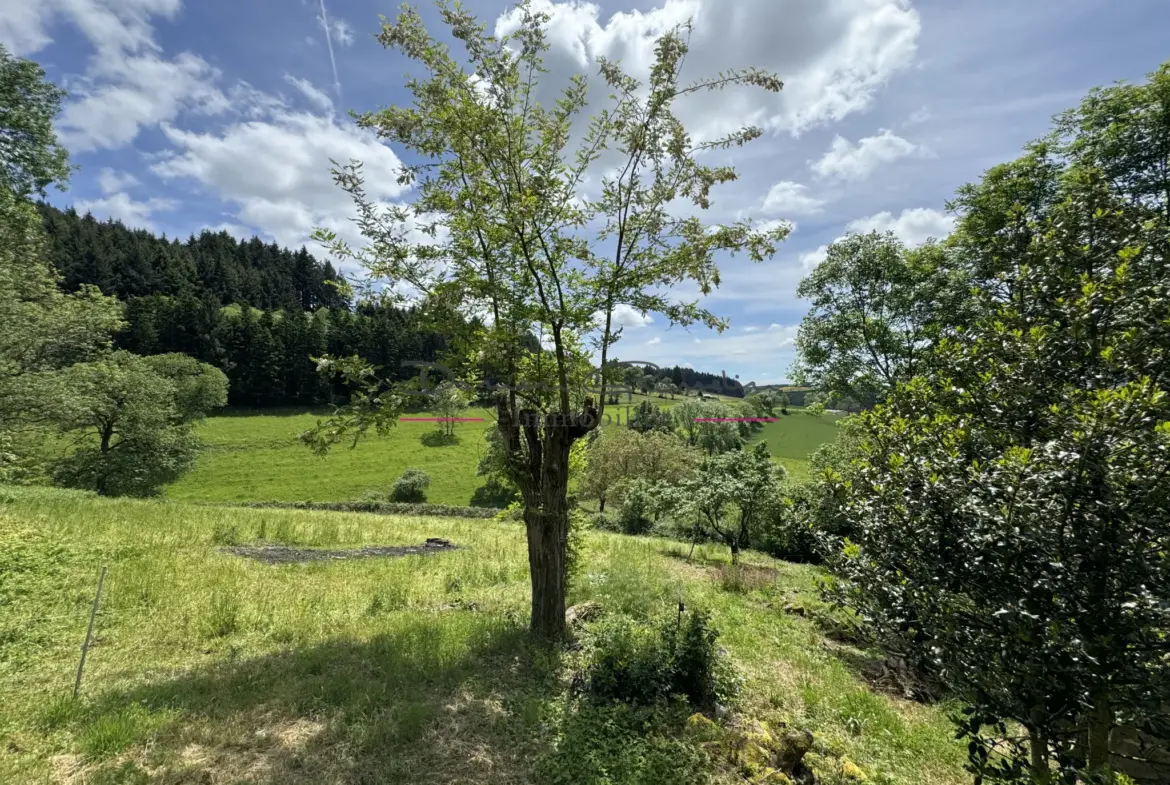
x,y
728,494
131,419
707,425
621,456
1010,511
30,156
44,329
876,309
496,174
648,417
448,402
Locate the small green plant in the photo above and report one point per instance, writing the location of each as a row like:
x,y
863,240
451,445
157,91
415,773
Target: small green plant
x,y
225,534
224,616
411,486
644,665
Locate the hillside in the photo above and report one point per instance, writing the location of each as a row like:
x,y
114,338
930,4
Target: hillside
x,y
209,667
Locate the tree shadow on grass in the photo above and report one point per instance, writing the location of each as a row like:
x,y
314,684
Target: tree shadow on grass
x,y
438,439
434,701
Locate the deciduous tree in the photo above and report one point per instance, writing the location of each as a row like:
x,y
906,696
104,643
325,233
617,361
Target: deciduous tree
x,y
501,227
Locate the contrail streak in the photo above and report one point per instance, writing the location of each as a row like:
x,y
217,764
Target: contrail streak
x,y
329,43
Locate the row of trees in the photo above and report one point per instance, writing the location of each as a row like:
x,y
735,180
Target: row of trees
x,y
124,422
212,266
1006,505
267,355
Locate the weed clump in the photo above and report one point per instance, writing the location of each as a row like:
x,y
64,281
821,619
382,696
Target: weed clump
x,y
644,665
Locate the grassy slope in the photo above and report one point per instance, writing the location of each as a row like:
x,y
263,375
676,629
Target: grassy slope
x,y
794,438
210,668
255,456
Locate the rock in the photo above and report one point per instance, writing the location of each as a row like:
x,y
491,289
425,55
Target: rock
x,y
795,610
437,542
584,612
791,748
851,771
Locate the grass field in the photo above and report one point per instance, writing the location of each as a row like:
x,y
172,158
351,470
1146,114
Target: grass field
x,y
209,668
254,456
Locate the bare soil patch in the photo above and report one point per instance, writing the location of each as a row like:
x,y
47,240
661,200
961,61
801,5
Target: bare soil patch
x,y
281,554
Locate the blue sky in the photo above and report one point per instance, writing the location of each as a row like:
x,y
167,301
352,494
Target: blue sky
x,y
186,115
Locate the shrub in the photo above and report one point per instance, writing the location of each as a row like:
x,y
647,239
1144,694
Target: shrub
x,y
643,665
411,486
636,509
647,417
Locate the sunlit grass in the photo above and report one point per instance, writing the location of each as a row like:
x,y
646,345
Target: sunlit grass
x,y
255,456
413,669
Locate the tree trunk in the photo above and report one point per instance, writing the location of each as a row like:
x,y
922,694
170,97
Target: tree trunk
x,y
601,503
734,553
543,478
1100,726
1038,752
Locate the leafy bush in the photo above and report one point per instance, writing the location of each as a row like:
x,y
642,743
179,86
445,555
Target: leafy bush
x,y
647,417
643,665
599,744
636,510
411,486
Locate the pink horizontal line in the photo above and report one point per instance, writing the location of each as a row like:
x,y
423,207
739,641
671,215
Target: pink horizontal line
x,y
737,419
440,419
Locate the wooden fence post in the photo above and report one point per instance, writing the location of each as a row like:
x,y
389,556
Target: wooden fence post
x,y
89,632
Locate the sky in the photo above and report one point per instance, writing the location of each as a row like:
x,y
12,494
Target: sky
x,y
225,114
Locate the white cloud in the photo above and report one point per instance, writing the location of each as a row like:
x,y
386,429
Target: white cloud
x,y
276,171
122,207
338,30
849,161
127,83
318,98
810,259
110,26
789,197
919,116
751,329
913,226
654,341
833,55
112,181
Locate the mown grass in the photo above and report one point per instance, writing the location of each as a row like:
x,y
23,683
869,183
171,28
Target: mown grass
x,y
796,436
209,668
255,456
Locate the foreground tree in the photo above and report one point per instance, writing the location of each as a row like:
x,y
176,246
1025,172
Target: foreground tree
x,y
44,329
1010,515
502,215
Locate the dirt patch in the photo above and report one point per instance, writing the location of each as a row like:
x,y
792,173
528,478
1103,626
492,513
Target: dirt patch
x,y
280,554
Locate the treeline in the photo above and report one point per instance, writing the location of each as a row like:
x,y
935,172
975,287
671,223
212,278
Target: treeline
x,y
211,267
266,354
255,310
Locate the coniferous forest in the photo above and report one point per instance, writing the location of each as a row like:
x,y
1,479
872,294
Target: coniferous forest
x,y
257,311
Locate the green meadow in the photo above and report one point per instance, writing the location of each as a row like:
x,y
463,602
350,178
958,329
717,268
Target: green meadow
x,y
255,456
208,667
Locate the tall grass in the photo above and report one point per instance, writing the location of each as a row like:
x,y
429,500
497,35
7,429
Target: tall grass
x,y
210,667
